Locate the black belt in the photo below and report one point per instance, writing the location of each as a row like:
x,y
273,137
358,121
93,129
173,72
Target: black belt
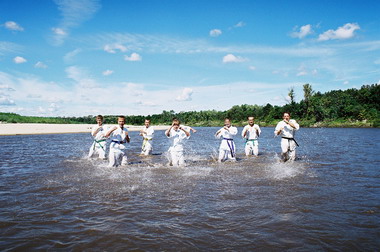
x,y
291,138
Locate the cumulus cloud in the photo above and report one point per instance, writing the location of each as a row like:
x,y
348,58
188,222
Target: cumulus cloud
x,y
107,72
13,26
133,57
215,33
343,32
39,64
19,60
111,48
303,32
230,58
185,95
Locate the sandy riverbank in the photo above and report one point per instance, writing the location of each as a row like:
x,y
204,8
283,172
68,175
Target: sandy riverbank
x,y
43,128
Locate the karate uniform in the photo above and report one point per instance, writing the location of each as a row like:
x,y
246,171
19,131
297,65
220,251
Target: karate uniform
x,y
147,147
288,144
100,142
251,139
118,150
227,146
176,149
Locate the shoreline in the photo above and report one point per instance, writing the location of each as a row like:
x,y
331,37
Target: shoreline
x,y
14,129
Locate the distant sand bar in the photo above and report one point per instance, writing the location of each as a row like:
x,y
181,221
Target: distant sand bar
x,y
44,128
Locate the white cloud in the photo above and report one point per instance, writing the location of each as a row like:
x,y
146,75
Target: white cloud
x,y
346,82
13,26
133,57
19,60
73,12
53,107
146,103
215,33
240,24
185,95
111,48
303,32
253,68
377,62
59,31
107,72
6,88
230,58
164,44
70,55
343,32
39,64
81,77
8,47
5,101
301,73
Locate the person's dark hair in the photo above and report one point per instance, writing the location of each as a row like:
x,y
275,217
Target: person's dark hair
x,y
99,117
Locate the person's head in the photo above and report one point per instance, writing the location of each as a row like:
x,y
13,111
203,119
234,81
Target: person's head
x,y
176,124
251,120
227,122
286,116
121,121
99,119
147,123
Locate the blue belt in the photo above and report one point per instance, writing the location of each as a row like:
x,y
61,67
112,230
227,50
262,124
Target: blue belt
x,y
230,145
118,142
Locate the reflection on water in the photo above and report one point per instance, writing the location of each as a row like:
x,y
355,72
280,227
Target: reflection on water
x,y
52,197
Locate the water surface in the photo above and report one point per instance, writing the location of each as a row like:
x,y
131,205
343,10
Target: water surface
x,y
53,197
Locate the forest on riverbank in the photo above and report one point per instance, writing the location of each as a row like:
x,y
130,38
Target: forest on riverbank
x,y
336,108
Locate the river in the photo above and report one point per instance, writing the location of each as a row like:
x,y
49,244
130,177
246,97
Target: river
x,y
54,198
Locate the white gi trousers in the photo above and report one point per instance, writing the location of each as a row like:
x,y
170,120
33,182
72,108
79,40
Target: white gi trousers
x,y
288,149
252,147
117,155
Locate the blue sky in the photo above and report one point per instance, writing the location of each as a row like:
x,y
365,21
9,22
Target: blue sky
x,y
87,57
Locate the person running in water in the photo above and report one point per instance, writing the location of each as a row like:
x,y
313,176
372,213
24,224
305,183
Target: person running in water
x,y
227,146
177,135
147,134
251,133
119,137
100,141
287,128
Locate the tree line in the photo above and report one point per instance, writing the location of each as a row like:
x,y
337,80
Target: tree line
x,y
351,107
